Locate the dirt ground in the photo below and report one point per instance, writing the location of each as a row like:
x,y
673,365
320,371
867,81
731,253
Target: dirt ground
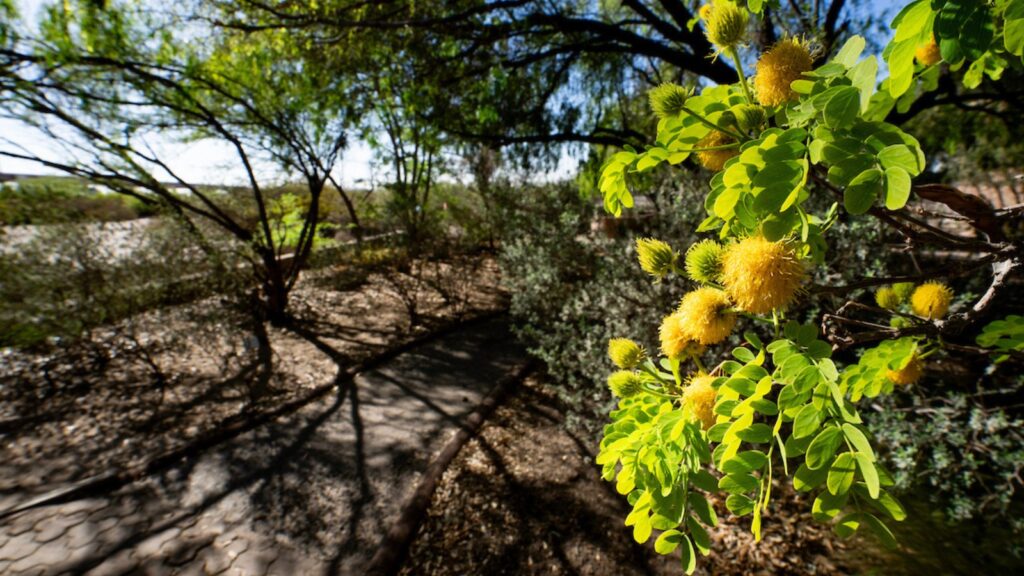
x,y
153,383
524,497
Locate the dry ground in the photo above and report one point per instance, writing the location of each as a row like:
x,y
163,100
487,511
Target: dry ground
x,y
154,382
524,497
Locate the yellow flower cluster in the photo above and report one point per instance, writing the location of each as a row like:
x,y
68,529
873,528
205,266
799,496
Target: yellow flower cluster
x,y
931,300
699,399
778,68
928,53
713,157
760,275
909,374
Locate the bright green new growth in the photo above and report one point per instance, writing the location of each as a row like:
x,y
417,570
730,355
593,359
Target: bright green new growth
x,y
625,384
903,291
625,353
785,401
656,257
704,261
668,100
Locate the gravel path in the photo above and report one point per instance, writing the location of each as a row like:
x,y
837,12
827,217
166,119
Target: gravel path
x,y
311,493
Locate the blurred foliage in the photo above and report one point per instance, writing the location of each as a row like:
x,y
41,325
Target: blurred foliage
x,y
70,278
48,200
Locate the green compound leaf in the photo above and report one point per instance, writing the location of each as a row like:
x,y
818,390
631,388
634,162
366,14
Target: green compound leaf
x,y
805,479
841,474
689,559
668,541
859,440
843,108
1005,335
860,195
699,535
880,530
739,504
703,509
806,422
868,472
823,447
897,187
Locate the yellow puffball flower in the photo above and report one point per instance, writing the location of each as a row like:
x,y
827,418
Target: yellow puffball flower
x,y
761,276
625,353
725,24
656,257
887,298
625,383
703,314
928,53
714,160
907,375
699,399
674,338
705,11
778,68
931,300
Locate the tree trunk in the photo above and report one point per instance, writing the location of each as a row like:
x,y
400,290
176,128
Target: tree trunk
x,y
275,288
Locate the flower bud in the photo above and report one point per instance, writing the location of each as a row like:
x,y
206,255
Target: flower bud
x,y
625,384
704,261
625,353
656,257
725,24
668,100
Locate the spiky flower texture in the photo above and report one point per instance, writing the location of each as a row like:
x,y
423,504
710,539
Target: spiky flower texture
x,y
887,298
625,384
778,68
761,276
656,257
673,336
704,261
668,100
699,399
931,300
909,374
725,24
625,353
715,160
704,315
928,53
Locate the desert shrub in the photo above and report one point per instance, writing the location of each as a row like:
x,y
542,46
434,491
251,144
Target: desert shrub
x,y
572,286
49,200
70,278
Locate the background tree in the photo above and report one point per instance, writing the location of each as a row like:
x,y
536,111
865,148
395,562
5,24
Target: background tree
x,y
102,81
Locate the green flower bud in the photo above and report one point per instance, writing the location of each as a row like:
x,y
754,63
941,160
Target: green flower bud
x,y
704,261
656,257
668,99
726,24
625,353
903,290
748,116
887,298
624,383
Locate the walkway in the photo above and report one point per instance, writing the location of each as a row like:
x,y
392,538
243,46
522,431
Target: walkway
x,y
311,493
